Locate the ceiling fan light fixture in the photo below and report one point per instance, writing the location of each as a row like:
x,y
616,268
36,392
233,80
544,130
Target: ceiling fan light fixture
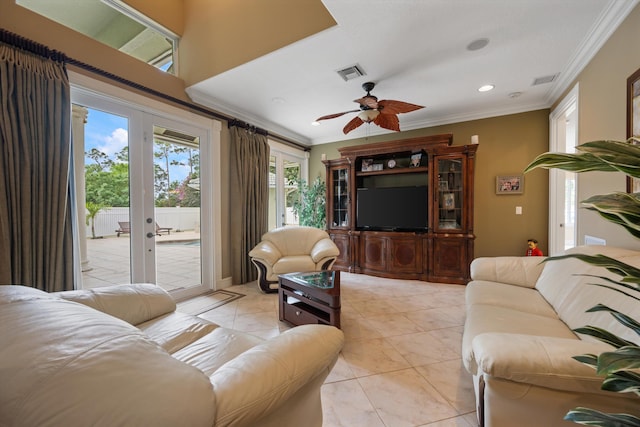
x,y
368,116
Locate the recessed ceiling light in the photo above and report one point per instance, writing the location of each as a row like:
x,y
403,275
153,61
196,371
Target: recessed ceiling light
x,y
477,44
515,94
315,123
486,88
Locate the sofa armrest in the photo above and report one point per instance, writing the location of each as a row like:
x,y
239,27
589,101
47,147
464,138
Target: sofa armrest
x,y
324,248
519,271
133,303
536,360
264,377
266,251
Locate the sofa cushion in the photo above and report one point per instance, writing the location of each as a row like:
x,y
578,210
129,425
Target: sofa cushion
x,y
297,240
217,348
59,359
176,330
141,302
293,263
483,318
514,297
519,271
567,285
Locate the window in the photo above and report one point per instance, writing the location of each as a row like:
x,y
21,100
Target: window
x,y
115,24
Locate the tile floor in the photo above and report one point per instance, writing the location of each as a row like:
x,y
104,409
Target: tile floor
x,y
400,365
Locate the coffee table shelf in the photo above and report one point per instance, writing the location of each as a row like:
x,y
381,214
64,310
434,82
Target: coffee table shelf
x,y
310,298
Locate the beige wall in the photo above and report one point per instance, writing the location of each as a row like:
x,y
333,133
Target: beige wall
x,y
602,110
220,35
170,13
507,145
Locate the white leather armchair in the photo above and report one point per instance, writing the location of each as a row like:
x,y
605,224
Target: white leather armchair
x,y
290,249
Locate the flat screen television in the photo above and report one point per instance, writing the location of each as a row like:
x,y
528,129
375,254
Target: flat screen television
x,y
392,208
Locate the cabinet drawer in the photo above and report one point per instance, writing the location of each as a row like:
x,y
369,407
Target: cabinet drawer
x,y
304,314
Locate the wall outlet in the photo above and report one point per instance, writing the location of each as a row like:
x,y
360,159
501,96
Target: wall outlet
x,y
518,210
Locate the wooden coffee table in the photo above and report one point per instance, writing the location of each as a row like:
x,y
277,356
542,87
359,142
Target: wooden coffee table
x,y
310,298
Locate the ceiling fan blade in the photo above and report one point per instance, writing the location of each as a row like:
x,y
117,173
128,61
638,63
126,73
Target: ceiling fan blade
x,y
388,121
354,123
369,101
333,116
389,106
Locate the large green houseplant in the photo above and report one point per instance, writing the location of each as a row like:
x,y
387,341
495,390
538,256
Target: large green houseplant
x,y
620,367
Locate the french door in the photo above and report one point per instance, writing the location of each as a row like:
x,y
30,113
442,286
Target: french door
x,y
286,168
139,188
563,190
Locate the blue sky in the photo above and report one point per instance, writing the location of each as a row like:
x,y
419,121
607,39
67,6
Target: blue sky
x,y
109,133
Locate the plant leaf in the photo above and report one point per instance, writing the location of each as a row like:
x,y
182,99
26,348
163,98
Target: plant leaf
x,y
623,358
604,336
591,417
588,359
622,382
620,208
621,284
627,321
581,162
628,272
621,155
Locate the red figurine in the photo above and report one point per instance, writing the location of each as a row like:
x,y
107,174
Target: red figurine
x,y
533,248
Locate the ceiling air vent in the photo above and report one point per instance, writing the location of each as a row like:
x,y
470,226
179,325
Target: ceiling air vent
x,y
351,73
545,79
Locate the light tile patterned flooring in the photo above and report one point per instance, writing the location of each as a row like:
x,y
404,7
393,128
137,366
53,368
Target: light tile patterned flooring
x,y
400,365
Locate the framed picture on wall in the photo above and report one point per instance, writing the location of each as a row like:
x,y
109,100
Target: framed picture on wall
x,y
509,184
633,121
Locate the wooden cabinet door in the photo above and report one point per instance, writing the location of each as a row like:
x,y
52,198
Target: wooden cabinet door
x,y
450,260
343,242
405,255
374,252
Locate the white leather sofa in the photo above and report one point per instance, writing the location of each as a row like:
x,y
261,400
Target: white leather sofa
x,y
122,356
518,341
291,249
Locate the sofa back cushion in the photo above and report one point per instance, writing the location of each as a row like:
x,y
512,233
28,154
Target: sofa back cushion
x,y
144,301
64,363
568,286
295,240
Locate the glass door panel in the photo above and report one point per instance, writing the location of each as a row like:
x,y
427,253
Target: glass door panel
x,y
339,212
290,179
285,171
450,195
177,204
101,157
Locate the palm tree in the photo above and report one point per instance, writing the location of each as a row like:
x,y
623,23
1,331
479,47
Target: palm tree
x,y
92,211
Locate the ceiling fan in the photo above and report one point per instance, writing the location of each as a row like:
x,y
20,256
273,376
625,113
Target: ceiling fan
x,y
384,113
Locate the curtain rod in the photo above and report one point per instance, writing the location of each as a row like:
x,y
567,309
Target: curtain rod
x,y
36,48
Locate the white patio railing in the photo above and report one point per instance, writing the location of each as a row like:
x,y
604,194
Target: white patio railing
x,y
180,219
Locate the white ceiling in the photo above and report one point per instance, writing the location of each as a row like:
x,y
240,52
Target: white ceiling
x,y
415,51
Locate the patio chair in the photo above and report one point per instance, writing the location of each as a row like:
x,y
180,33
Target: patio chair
x,y
160,230
125,228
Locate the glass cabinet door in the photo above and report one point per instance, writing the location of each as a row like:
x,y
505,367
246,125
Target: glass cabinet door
x,y
450,192
340,208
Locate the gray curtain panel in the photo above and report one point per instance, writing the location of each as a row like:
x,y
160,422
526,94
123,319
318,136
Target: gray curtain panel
x,y
249,199
36,242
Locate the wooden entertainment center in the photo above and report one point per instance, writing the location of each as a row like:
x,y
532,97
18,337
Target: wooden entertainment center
x,y
400,182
